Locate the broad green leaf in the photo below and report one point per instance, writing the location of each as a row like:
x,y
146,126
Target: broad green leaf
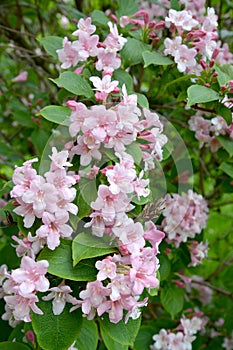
x,y
227,144
61,264
135,151
51,44
175,5
127,7
8,345
172,299
201,94
132,51
155,58
121,332
112,344
56,114
227,168
224,112
56,332
99,18
85,246
124,78
74,83
88,336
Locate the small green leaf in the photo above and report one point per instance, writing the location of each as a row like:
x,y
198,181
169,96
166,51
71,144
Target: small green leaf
x,y
135,151
132,51
8,345
74,83
51,44
99,18
142,100
88,336
201,94
172,299
56,114
86,246
227,168
165,267
127,7
6,188
227,144
121,332
155,58
224,112
61,264
56,332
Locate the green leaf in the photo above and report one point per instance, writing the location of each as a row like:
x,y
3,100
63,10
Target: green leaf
x,y
56,114
175,5
127,7
6,188
155,58
99,18
8,345
172,299
74,83
201,94
121,332
165,267
225,112
135,151
124,78
142,100
56,332
85,246
132,51
225,73
227,144
61,264
51,44
112,344
88,336
227,168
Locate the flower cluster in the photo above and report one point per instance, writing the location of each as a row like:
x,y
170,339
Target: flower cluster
x,y
19,289
47,198
122,277
115,128
194,41
184,216
183,337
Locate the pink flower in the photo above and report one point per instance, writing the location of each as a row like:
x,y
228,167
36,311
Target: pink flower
x,y
31,276
59,159
107,269
54,227
21,306
121,179
105,85
185,58
181,19
60,296
107,61
68,55
84,25
23,76
114,41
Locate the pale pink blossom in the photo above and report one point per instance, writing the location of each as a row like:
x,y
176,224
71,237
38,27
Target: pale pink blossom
x,y
30,277
198,252
107,269
22,77
107,61
60,295
59,159
114,41
68,55
105,84
210,22
184,216
85,25
181,19
161,340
